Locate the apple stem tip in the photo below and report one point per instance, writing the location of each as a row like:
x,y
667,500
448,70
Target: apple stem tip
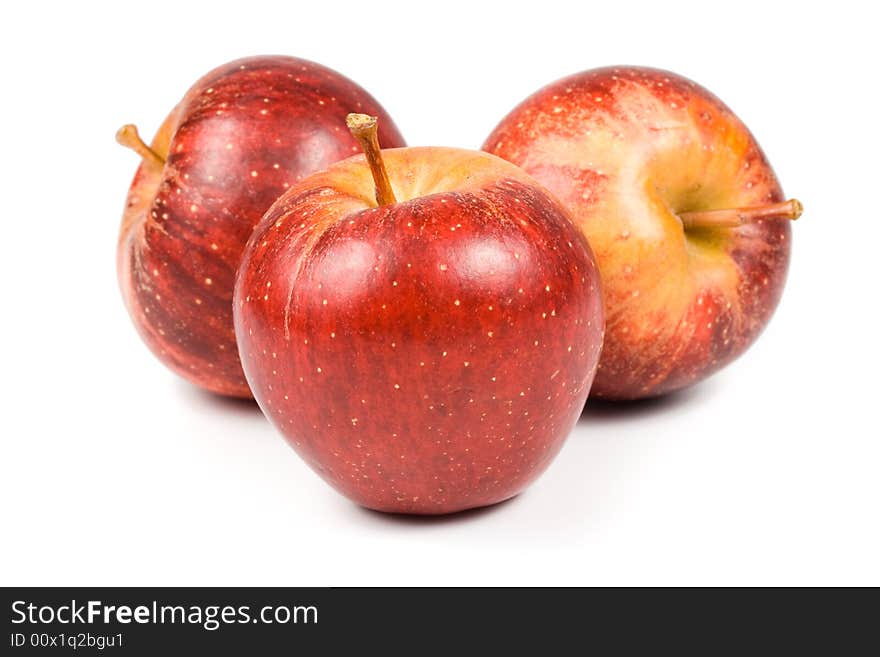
x,y
732,217
361,123
128,136
365,129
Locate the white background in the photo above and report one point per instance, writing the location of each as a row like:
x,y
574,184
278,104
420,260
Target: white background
x,y
114,472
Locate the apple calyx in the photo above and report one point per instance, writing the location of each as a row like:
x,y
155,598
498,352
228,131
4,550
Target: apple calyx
x,y
128,136
731,217
365,129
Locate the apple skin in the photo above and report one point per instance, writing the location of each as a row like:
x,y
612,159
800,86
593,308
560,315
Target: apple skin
x,y
625,149
242,134
427,356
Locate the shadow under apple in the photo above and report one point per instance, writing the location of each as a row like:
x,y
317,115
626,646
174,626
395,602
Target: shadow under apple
x,y
601,411
414,520
215,403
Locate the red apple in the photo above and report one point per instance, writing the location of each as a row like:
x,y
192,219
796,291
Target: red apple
x,y
242,135
681,208
425,348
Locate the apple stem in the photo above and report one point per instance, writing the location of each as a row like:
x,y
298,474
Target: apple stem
x,y
731,217
365,129
128,136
